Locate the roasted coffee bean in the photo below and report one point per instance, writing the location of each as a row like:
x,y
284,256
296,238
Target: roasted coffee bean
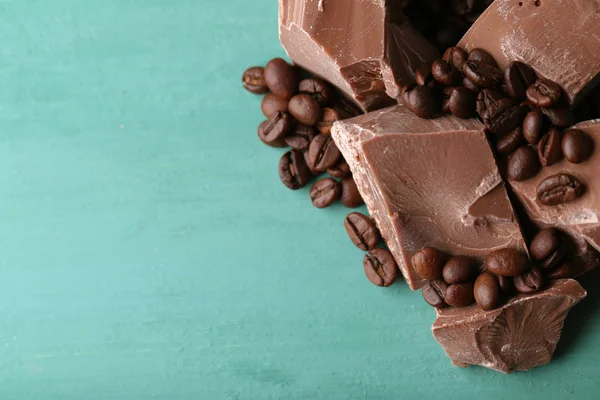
x,y
526,104
324,192
423,102
482,56
510,142
531,281
544,243
272,104
507,262
311,168
456,57
460,295
341,170
518,77
380,267
445,73
362,231
293,171
281,78
491,102
555,259
428,263
300,136
523,164
505,121
482,74
560,116
459,269
533,125
405,92
466,82
254,80
446,95
318,89
549,150
566,270
487,291
506,284
272,131
544,93
577,146
330,115
305,109
558,189
351,197
434,293
323,153
462,103
423,75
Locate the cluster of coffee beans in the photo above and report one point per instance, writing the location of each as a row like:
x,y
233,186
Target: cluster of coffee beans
x,y
300,112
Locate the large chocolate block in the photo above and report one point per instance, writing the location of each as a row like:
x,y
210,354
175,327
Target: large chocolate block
x,y
429,183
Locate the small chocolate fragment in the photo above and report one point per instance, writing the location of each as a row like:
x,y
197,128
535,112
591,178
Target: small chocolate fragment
x,y
549,148
380,267
530,282
293,171
350,197
324,192
254,80
428,263
460,295
487,291
523,164
507,262
272,104
559,189
459,269
577,146
281,78
434,293
362,231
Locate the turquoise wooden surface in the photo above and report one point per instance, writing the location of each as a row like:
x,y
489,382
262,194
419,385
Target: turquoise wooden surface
x,y
149,251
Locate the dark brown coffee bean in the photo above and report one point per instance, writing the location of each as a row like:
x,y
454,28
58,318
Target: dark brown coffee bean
x,y
487,291
459,269
281,79
490,103
445,73
323,153
311,168
380,267
544,243
526,104
577,146
272,104
549,150
446,95
300,136
428,263
482,56
558,189
531,281
341,170
324,192
482,74
566,270
462,103
510,142
318,89
560,116
460,295
423,102
272,131
434,293
254,80
423,75
544,93
507,262
555,259
351,197
305,109
405,92
506,284
293,171
456,57
362,231
466,82
523,164
518,77
505,121
330,115
533,125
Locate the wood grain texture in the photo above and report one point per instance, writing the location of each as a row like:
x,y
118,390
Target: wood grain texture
x,y
149,251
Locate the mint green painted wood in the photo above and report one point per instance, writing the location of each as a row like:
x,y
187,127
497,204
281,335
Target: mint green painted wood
x,y
149,251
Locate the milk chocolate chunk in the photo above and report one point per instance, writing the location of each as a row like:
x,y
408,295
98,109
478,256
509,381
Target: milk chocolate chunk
x,y
367,49
559,39
521,335
424,189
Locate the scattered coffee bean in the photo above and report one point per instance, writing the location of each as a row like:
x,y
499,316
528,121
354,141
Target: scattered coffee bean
x,y
254,80
566,270
341,170
491,102
577,146
549,148
544,93
362,231
423,75
272,104
506,284
293,171
300,136
305,109
330,115
518,77
423,102
533,124
459,269
445,73
523,164
428,263
323,153
466,82
281,78
311,168
446,95
272,131
507,262
434,293
487,291
531,281
505,121
544,243
482,74
482,56
318,89
456,57
380,267
405,92
555,259
351,197
460,295
462,103
324,192
510,142
558,189
560,116
526,104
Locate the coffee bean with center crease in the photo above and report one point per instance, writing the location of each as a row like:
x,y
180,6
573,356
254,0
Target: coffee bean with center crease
x,y
558,189
491,102
423,101
293,171
555,259
459,269
483,56
549,148
487,291
380,267
323,153
533,124
305,109
507,262
254,80
577,146
531,281
510,142
544,93
272,104
460,295
434,293
351,197
300,136
445,73
462,103
505,121
281,78
324,192
523,164
560,115
456,56
446,95
428,263
341,170
329,116
362,231
482,74
423,75
318,89
272,132
518,77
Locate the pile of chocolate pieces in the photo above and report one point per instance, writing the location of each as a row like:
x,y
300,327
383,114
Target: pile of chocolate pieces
x,y
477,155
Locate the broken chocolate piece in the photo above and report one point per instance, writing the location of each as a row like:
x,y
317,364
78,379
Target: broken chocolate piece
x,y
368,49
422,187
521,335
